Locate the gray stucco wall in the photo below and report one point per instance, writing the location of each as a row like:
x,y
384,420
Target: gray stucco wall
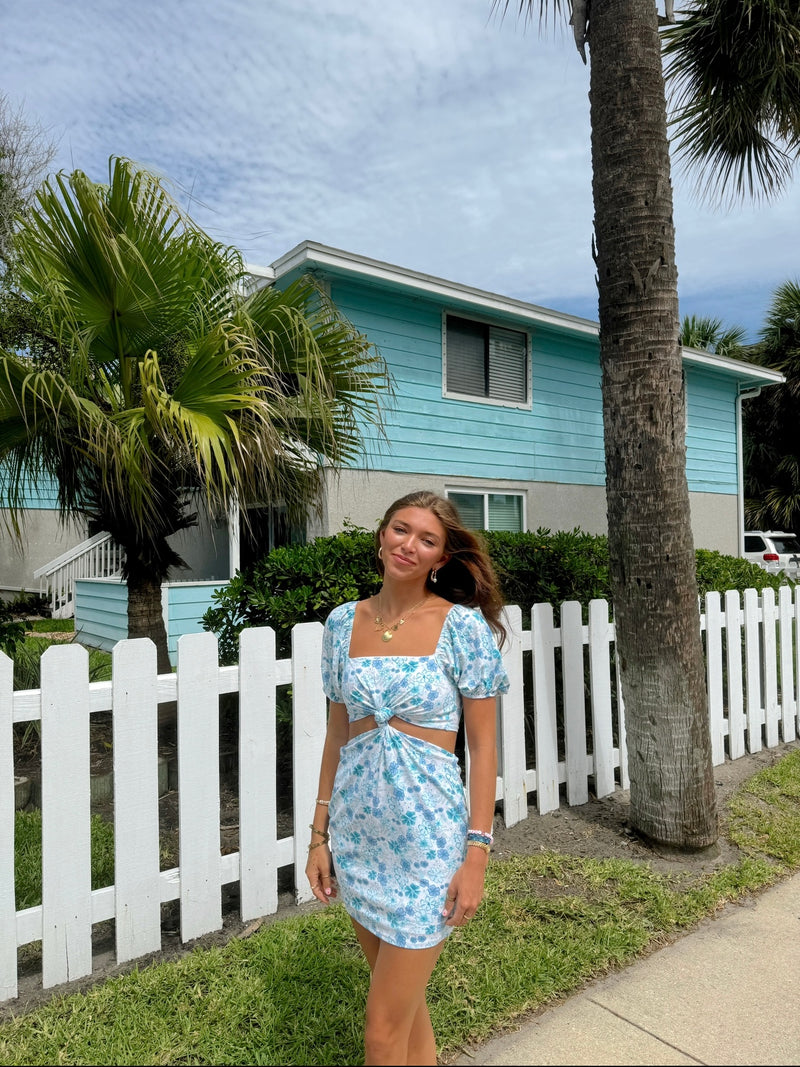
x,y
204,548
44,538
361,498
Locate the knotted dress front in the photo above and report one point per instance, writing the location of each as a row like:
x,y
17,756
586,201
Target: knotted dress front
x,y
398,813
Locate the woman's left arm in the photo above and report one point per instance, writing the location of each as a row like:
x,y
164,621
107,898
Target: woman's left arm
x,y
466,887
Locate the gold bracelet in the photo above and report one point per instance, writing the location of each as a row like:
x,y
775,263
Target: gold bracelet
x,y
324,803
322,833
316,844
479,844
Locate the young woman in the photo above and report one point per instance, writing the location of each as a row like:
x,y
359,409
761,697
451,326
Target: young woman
x,y
399,670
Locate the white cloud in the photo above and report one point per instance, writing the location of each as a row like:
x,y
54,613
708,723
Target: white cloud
x,y
427,134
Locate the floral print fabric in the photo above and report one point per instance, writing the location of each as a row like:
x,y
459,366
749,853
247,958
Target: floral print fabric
x,y
398,814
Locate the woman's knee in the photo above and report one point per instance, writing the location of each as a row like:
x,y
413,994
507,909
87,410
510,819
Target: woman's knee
x,y
385,1028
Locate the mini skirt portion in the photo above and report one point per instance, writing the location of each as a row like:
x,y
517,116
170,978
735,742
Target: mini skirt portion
x,y
398,825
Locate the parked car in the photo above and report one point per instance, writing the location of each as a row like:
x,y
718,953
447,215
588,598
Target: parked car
x,y
774,550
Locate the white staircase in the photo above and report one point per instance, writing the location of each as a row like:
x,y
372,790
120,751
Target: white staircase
x,y
97,557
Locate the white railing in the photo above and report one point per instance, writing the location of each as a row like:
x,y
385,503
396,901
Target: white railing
x,y
97,557
753,656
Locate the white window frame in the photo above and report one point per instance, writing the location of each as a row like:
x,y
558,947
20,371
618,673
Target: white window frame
x,y
470,397
486,492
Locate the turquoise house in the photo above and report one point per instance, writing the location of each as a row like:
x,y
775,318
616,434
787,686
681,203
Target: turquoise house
x,y
497,404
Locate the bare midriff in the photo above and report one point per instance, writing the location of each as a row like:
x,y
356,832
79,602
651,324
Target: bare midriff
x,y
445,739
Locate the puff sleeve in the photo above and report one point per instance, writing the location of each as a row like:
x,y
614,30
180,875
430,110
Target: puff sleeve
x,y
335,646
477,665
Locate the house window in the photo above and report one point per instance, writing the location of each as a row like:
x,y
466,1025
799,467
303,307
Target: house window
x,y
267,528
485,362
490,511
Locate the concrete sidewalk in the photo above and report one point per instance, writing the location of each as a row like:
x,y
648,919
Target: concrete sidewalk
x,y
726,993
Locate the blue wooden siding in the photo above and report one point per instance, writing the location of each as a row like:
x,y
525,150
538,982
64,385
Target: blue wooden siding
x,y
188,602
711,450
39,494
472,439
560,439
101,611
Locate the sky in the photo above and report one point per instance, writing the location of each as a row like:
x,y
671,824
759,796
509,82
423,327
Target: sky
x,y
430,134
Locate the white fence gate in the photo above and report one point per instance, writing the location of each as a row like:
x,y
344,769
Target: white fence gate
x,y
562,674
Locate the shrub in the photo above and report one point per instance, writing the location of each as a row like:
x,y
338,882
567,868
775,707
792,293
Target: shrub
x,y
549,568
303,583
296,583
25,604
12,631
718,573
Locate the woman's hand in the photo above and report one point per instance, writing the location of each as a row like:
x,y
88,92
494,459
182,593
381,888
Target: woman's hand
x,y
318,872
465,891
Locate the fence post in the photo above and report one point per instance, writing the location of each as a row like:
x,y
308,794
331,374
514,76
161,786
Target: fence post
x,y
788,698
733,649
716,708
573,676
309,724
600,637
543,642
8,908
512,724
258,819
752,649
136,845
198,784
66,839
769,666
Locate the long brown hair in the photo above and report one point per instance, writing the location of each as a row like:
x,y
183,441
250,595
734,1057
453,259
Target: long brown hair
x,y
468,577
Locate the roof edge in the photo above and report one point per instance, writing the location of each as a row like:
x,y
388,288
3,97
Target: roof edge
x,y
312,252
338,259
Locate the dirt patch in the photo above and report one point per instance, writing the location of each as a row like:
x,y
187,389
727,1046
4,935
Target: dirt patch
x,y
598,830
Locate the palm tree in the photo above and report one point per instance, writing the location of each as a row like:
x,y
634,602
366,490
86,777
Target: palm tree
x,y
652,559
154,380
710,335
772,454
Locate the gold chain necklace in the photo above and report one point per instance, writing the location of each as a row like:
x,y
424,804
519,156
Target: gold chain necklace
x,y
389,631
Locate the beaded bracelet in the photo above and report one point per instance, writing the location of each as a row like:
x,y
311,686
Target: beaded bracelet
x,y
479,835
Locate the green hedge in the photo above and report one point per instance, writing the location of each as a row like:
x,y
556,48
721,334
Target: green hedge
x,y
303,583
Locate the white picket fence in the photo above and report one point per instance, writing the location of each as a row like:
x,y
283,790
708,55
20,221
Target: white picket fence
x,y
753,656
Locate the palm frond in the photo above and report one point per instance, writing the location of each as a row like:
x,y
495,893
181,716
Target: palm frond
x,y
733,77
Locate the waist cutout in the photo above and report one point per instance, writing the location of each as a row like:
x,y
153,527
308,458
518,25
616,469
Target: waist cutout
x,y
445,739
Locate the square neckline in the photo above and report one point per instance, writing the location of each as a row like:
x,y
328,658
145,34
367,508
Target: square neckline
x,y
431,655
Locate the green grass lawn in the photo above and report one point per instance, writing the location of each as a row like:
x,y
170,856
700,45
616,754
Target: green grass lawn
x,y
50,626
293,992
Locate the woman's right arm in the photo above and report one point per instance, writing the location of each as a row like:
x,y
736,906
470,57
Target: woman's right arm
x,y
318,867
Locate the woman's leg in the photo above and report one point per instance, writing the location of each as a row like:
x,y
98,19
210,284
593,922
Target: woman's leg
x,y
398,1028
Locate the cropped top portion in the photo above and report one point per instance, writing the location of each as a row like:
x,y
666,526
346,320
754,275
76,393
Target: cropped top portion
x,y
423,690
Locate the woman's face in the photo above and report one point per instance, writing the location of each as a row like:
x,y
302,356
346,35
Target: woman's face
x,y
413,543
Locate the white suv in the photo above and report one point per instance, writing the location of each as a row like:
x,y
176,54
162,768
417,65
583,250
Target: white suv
x,y
773,550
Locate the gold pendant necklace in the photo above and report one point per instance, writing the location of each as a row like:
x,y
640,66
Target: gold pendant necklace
x,y
389,631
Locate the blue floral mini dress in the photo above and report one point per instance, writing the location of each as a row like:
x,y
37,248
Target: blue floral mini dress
x,y
398,813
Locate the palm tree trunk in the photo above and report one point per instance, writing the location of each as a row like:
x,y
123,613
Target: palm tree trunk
x,y
145,617
651,549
